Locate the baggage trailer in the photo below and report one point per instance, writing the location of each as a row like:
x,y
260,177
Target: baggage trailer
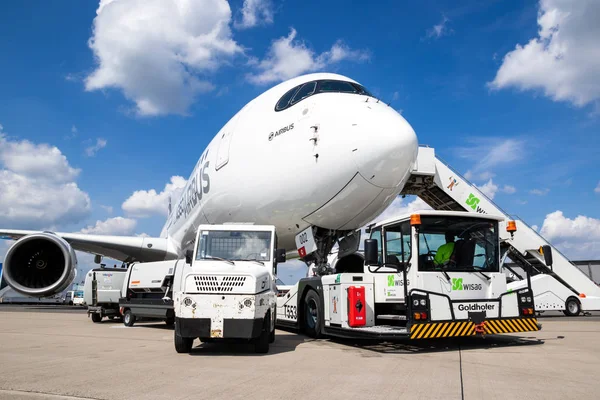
x,y
146,290
406,290
101,292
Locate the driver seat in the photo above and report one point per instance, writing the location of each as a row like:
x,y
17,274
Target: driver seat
x,y
464,253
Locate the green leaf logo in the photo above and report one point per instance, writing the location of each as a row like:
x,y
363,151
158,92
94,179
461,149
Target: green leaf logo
x,y
390,280
457,283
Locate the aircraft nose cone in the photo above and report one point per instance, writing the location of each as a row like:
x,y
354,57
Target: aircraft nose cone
x,y
385,146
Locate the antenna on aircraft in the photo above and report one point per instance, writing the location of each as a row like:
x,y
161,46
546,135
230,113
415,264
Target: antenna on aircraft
x,y
169,205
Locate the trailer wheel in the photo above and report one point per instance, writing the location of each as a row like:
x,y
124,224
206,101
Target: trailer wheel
x,y
261,344
572,307
96,317
313,317
128,318
182,345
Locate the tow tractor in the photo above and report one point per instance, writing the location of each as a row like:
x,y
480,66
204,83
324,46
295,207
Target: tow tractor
x,y
226,289
433,274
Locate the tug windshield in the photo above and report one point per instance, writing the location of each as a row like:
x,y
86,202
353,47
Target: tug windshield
x,y
458,244
234,245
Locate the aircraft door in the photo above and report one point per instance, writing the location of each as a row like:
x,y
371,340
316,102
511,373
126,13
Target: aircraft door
x,y
225,142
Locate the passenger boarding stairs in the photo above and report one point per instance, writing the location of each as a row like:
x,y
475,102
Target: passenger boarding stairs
x,y
444,189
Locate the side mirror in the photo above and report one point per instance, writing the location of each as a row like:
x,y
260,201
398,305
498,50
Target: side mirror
x,y
280,256
97,259
547,255
188,256
371,253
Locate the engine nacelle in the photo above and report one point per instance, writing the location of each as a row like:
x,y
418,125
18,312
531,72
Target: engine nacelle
x,y
40,265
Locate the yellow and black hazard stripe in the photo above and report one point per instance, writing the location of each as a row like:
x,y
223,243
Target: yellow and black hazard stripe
x,y
493,326
467,328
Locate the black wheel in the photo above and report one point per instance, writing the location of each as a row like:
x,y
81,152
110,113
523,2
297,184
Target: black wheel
x,y
261,345
170,321
128,318
182,345
572,307
272,336
96,317
313,315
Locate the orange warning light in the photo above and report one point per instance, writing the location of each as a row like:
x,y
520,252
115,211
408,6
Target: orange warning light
x,y
415,219
511,226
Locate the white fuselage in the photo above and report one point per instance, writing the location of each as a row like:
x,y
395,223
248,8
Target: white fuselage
x,y
333,160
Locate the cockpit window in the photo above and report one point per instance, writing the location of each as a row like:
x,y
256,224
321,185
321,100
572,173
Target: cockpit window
x,y
304,92
363,90
285,99
336,86
301,92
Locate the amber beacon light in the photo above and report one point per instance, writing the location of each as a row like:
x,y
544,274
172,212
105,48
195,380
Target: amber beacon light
x,y
415,219
511,226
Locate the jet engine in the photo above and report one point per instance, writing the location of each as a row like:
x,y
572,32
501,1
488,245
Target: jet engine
x,y
40,265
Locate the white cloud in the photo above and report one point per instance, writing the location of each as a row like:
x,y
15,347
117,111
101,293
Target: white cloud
x,y
479,176
539,192
36,161
92,150
597,190
38,187
488,153
112,226
578,238
159,52
255,12
489,189
439,30
395,96
508,189
144,203
288,58
564,60
400,207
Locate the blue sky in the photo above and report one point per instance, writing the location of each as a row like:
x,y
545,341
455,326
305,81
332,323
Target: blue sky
x,y
527,118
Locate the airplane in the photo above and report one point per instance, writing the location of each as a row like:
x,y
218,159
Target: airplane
x,y
315,153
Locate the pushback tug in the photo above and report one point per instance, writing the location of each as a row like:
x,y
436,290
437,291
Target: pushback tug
x,y
402,290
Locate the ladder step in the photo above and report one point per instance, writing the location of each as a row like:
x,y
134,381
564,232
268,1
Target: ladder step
x,y
392,317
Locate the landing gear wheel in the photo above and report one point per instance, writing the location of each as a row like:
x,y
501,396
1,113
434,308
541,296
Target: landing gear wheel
x,y
182,345
313,317
96,318
261,345
128,318
572,307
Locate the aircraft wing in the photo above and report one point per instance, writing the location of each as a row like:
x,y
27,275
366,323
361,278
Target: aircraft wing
x,y
122,248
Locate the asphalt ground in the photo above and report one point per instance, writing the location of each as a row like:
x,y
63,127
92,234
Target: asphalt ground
x,y
56,352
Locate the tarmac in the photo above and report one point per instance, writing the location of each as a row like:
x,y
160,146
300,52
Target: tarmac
x,y
51,352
